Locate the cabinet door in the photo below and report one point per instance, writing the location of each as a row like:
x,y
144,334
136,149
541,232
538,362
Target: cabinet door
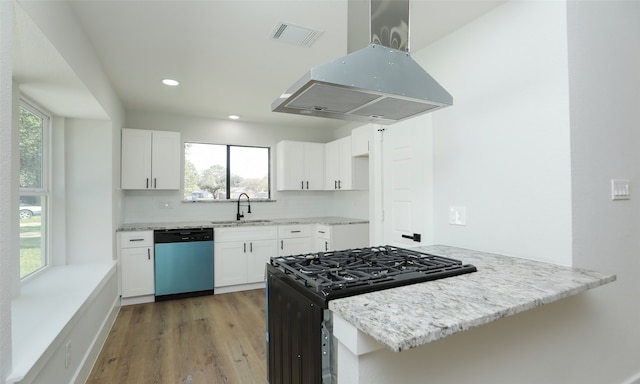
x,y
294,246
137,271
331,165
322,238
290,165
260,253
165,160
361,138
230,260
344,163
314,166
322,245
136,159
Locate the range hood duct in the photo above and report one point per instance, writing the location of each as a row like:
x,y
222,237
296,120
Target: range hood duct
x,y
379,83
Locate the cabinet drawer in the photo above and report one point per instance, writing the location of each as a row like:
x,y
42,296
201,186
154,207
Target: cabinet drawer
x,y
293,231
244,234
323,231
136,239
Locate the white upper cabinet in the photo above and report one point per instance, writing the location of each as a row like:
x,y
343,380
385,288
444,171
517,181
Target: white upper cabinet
x,y
300,166
342,170
361,140
150,159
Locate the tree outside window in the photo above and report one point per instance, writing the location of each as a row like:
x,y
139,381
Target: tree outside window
x,y
219,172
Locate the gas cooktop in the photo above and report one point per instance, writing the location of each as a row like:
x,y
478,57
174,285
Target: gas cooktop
x,y
337,274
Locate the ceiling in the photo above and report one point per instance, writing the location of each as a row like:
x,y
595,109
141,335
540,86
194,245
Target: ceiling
x,y
221,53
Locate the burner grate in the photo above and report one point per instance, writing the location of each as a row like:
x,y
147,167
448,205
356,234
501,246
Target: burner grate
x,y
354,271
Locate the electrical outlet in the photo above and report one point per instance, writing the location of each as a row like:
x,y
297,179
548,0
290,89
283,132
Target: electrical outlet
x,y
620,189
165,205
67,354
457,215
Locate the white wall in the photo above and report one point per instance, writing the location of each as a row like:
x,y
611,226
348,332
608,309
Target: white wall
x,y
502,149
88,186
63,34
9,200
604,67
533,168
145,206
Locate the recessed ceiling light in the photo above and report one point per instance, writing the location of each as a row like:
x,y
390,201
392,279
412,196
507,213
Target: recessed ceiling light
x,y
234,117
170,82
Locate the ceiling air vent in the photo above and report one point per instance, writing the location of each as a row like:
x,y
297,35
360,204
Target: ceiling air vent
x,y
294,34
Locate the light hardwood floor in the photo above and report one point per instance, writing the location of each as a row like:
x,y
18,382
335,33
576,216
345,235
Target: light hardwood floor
x,y
209,339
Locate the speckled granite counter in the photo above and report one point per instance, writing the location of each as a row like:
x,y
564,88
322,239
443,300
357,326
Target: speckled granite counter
x,y
329,220
410,316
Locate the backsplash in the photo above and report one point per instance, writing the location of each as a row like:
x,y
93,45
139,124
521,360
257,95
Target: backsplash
x,y
168,206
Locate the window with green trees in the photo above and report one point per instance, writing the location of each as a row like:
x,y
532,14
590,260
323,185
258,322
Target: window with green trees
x,y
34,190
222,172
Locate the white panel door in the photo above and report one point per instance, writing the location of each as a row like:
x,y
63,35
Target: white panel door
x,y
408,183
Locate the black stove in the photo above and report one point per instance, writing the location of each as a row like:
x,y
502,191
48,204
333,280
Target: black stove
x,y
337,274
300,325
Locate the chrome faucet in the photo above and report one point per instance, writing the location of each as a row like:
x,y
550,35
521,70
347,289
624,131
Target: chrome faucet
x,y
241,215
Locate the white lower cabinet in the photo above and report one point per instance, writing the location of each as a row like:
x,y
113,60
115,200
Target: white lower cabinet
x,y
339,237
294,239
240,254
136,258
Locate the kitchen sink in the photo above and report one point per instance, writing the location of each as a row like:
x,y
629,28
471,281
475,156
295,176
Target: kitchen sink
x,y
240,221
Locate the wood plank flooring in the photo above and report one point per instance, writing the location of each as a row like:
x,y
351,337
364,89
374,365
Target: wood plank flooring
x,y
209,339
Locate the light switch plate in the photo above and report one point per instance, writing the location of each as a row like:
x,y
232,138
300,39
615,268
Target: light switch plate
x,y
457,215
620,189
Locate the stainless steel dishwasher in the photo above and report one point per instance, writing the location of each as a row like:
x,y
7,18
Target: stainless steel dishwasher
x,y
183,263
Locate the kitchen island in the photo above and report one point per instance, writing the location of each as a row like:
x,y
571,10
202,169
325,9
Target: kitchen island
x,y
368,327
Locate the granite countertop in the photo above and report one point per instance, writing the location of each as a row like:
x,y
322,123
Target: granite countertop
x,y
407,317
329,220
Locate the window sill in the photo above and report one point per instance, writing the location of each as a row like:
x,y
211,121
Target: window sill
x,y
45,310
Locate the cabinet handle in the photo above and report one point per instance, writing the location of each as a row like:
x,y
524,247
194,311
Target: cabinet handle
x,y
251,247
339,184
281,244
302,184
326,246
335,184
320,231
155,184
148,254
307,185
136,239
245,247
296,231
147,183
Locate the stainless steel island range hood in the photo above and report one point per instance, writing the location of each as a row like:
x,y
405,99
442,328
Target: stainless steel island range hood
x,y
380,83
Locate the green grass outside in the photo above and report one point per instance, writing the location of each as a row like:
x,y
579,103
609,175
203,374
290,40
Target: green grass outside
x,y
30,245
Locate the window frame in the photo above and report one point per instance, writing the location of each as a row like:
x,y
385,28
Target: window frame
x,y
44,192
229,167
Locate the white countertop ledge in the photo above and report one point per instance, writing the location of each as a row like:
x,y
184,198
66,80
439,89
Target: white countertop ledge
x,y
222,223
407,317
